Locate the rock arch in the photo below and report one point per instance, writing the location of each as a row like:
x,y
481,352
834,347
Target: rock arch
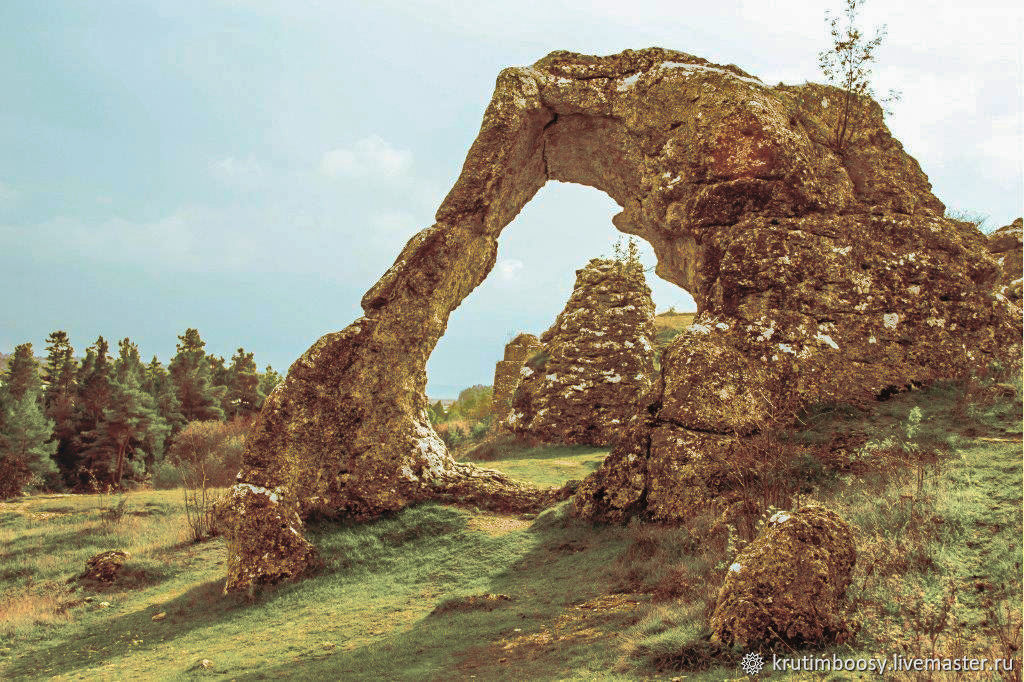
x,y
803,265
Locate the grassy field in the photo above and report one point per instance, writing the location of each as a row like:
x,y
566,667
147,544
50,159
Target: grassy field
x,y
441,593
673,320
546,465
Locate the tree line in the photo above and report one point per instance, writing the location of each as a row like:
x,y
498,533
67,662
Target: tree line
x,y
103,421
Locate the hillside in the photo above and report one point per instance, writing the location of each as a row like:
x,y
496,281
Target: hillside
x,y
437,592
670,319
668,324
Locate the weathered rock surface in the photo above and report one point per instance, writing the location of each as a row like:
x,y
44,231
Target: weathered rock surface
x,y
104,567
262,558
596,361
508,373
789,584
817,277
1007,245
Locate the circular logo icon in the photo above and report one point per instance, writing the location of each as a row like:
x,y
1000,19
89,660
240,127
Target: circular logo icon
x,y
752,663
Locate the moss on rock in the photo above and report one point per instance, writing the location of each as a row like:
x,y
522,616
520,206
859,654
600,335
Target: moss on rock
x,y
789,584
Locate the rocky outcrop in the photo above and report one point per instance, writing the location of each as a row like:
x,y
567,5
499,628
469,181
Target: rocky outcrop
x,y
818,277
1006,245
104,567
258,558
789,584
596,361
508,372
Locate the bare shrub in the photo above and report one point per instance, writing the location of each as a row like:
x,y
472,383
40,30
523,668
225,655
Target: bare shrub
x,y
208,455
964,216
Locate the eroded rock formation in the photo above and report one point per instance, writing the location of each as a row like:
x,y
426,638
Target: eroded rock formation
x,y
1006,245
818,277
508,372
789,584
596,361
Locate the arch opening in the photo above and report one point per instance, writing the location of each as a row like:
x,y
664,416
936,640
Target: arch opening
x,y
557,233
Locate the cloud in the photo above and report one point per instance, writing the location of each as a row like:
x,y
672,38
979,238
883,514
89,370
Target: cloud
x,y
508,269
371,156
239,173
7,195
1004,144
390,220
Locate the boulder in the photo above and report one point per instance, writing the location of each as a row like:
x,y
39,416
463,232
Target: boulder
x,y
789,584
508,372
261,526
1006,245
104,567
818,276
597,360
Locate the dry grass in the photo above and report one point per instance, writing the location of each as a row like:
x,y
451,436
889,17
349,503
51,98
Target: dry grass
x,y
668,320
37,604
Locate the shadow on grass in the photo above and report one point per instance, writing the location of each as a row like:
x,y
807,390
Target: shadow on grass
x,y
563,563
98,642
55,543
426,555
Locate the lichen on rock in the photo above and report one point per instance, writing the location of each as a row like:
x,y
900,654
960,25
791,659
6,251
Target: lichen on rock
x,y
263,528
789,584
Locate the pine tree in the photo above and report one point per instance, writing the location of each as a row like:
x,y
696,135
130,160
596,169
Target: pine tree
x,y
22,374
243,396
94,382
436,413
95,394
128,362
130,377
190,371
220,381
59,399
158,384
59,357
129,426
268,382
25,448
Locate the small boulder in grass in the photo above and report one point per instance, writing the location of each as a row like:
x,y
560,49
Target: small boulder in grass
x,y
104,567
789,584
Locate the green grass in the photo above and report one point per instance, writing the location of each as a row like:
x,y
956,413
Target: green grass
x,y
550,465
586,602
939,538
366,615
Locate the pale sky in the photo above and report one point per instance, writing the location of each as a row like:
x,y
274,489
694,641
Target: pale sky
x,y
251,167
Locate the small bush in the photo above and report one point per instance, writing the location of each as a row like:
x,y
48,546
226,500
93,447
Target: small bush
x,y
212,447
207,455
165,476
112,514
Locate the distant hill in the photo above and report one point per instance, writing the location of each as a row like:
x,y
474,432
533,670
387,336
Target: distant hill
x,y
668,324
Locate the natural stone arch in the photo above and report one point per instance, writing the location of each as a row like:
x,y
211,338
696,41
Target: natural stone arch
x,y
732,184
